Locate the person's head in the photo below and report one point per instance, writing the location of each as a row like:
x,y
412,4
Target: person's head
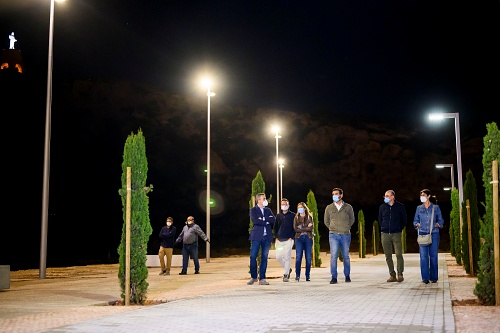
x,y
337,194
425,194
260,199
190,220
285,205
169,221
302,208
389,197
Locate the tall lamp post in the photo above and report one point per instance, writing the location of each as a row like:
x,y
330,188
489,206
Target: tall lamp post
x,y
281,176
441,166
207,83
441,116
46,152
276,130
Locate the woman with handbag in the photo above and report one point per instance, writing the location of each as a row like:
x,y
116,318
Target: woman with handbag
x,y
428,220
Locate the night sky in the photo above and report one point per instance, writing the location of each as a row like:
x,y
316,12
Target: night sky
x,y
385,62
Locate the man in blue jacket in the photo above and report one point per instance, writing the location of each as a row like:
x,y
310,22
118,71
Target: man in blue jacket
x,y
392,218
261,237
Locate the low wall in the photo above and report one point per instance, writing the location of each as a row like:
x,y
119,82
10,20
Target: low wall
x,y
152,260
4,276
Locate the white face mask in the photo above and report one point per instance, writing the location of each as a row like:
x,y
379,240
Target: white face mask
x,y
423,199
284,207
264,203
169,223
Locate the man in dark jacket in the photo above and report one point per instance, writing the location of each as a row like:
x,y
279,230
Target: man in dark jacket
x,y
261,237
167,238
392,218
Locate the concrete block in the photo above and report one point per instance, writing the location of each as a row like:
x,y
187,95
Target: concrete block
x,y
152,260
4,276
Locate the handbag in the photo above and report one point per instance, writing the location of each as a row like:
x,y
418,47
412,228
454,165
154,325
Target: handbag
x,y
426,239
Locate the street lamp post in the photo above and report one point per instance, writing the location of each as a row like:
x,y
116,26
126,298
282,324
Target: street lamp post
x,y
46,152
441,166
207,84
276,129
281,176
441,116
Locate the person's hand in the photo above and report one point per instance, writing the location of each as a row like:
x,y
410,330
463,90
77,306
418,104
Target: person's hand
x,y
208,240
310,225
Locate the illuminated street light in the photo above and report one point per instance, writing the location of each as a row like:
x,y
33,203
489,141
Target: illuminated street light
x,y
441,166
439,117
46,153
276,130
281,161
207,84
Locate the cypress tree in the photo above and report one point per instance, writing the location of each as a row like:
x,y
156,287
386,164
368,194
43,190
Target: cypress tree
x,y
361,234
134,156
455,221
485,286
470,193
313,207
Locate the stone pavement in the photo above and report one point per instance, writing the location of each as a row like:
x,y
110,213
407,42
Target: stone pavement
x,y
218,300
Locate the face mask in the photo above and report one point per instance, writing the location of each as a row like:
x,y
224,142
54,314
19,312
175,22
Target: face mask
x,y
169,223
423,199
301,210
190,222
387,200
335,198
265,203
284,207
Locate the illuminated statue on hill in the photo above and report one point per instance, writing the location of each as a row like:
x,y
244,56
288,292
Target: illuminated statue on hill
x,y
12,41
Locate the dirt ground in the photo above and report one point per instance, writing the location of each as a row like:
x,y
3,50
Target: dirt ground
x,y
470,316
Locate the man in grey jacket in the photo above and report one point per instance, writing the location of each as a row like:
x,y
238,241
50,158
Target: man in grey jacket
x,y
189,238
339,218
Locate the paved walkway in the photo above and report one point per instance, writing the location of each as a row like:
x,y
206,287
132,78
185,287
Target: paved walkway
x,y
219,301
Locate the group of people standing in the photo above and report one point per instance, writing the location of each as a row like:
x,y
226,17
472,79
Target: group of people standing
x,y
289,229
189,239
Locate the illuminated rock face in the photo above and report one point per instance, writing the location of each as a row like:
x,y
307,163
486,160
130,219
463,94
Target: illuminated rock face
x,y
11,60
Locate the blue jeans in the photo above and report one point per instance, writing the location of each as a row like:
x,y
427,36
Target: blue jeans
x,y
343,241
190,250
264,244
303,244
429,259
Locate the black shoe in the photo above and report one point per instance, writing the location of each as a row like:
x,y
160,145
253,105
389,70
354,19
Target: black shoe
x,y
308,279
426,281
347,278
333,281
290,272
182,273
197,272
434,281
297,278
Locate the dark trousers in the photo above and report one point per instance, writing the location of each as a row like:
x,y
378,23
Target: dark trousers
x,y
190,250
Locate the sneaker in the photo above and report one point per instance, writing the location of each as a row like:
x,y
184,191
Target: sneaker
x,y
308,279
182,273
434,281
333,281
285,278
290,272
197,272
392,279
426,281
263,282
347,278
297,278
162,273
252,281
166,273
400,278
